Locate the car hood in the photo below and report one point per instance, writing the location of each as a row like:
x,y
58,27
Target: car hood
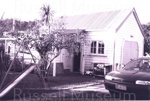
x,y
130,75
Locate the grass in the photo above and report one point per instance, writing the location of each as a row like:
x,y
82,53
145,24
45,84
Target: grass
x,y
32,80
32,83
71,78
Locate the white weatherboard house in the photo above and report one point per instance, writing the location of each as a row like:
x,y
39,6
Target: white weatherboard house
x,y
113,37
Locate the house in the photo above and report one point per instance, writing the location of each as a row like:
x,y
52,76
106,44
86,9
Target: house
x,y
11,48
113,38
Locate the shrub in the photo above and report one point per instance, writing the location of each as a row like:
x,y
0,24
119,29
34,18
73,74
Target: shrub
x,y
4,62
18,65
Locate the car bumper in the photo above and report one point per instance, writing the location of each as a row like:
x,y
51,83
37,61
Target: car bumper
x,y
139,90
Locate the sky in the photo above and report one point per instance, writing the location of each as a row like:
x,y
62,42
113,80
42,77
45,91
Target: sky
x,y
30,9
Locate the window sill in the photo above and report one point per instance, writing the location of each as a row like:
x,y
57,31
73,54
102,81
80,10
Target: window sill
x,y
98,55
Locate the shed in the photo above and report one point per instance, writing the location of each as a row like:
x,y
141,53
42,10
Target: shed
x,y
114,38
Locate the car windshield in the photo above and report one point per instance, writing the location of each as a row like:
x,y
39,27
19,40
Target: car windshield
x,y
138,65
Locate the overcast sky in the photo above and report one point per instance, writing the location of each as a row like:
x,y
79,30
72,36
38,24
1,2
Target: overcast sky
x,y
30,9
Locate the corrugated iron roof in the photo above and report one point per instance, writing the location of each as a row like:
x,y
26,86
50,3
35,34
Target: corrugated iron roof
x,y
97,21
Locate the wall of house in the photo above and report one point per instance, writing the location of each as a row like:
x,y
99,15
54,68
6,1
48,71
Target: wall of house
x,y
63,62
9,46
128,31
88,59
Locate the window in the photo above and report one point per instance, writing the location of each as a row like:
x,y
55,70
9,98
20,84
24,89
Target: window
x,y
93,47
100,47
97,47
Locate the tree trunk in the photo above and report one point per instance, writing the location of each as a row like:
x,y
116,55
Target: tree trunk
x,y
40,72
41,78
43,68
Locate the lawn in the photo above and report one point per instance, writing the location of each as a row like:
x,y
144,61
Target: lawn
x,y
32,83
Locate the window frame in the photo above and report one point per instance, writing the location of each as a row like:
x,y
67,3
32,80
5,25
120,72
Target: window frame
x,y
93,48
97,47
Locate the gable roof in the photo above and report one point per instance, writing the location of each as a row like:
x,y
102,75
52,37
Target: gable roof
x,y
99,21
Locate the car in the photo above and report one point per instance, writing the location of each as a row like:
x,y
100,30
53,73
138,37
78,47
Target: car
x,y
133,80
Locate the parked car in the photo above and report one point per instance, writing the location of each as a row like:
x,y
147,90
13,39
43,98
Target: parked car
x,y
132,80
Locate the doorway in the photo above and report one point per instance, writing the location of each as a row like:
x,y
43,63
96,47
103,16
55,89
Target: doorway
x,y
76,61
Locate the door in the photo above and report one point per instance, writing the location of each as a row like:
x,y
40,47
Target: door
x,y
130,51
76,61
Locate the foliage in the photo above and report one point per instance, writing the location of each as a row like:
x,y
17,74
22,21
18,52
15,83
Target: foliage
x,y
48,36
18,65
5,61
45,35
24,25
49,45
146,30
7,24
47,14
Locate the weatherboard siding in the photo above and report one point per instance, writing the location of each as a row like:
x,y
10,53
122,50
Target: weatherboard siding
x,y
109,31
128,31
107,38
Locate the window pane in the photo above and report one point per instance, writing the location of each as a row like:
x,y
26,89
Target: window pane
x,y
94,50
93,47
100,48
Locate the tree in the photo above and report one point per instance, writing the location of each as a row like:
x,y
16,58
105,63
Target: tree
x,y
49,37
47,15
54,38
146,30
